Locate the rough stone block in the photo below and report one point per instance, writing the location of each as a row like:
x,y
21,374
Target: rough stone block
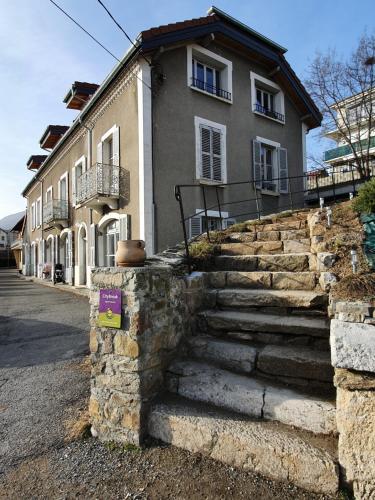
x,y
293,281
295,234
93,341
326,280
248,279
297,246
353,345
354,381
356,425
287,262
268,235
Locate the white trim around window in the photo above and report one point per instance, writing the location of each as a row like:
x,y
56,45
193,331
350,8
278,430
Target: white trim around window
x,y
81,162
49,190
268,86
200,123
66,177
38,211
213,61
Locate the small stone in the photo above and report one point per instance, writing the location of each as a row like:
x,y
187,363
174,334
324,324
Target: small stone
x,y
93,341
125,346
326,280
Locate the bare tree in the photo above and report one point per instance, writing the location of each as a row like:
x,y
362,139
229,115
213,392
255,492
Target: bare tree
x,y
344,90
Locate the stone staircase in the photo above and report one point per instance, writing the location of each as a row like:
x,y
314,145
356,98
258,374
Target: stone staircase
x,y
254,387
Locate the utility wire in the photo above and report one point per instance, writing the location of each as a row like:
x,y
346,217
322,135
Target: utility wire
x,y
95,40
122,29
83,29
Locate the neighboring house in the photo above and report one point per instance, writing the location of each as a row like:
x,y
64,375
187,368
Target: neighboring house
x,y
355,130
218,103
9,234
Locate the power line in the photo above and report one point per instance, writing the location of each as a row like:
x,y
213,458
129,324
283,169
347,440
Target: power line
x,y
95,40
122,29
83,29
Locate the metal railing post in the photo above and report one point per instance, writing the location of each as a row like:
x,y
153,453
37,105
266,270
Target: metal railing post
x,y
205,211
290,194
219,207
333,185
317,188
351,168
177,193
256,199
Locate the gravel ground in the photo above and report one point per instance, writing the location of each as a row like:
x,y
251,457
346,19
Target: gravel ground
x,y
44,386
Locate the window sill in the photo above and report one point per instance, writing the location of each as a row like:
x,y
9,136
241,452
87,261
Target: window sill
x,y
269,193
209,182
196,89
269,117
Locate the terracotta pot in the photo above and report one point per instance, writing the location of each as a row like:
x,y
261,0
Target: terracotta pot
x,y
130,253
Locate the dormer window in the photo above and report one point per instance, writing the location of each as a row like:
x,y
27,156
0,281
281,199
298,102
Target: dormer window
x,y
209,73
267,98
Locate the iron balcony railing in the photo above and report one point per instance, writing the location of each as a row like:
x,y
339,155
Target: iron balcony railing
x,y
269,112
55,210
207,87
346,150
302,190
99,180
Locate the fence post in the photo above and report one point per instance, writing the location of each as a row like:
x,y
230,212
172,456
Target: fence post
x,y
351,168
177,193
205,212
333,184
256,199
317,187
290,194
219,206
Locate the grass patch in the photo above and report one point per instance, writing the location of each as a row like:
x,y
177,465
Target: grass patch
x,y
78,426
122,448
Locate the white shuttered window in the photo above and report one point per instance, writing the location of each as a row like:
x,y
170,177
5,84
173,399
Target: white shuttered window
x,y
270,167
210,150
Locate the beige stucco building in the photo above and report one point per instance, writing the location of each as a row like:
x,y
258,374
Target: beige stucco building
x,y
204,102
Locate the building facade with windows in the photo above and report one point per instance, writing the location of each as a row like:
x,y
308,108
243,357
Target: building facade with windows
x,y
206,103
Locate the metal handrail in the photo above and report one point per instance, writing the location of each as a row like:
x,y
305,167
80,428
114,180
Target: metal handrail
x,y
269,112
310,182
55,209
99,180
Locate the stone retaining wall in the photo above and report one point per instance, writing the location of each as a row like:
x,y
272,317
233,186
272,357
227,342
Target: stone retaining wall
x,y
128,364
353,356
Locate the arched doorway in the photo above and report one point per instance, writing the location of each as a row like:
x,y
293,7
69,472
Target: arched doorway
x,y
82,255
66,254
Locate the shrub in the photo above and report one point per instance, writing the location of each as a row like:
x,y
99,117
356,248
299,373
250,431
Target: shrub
x,y
365,201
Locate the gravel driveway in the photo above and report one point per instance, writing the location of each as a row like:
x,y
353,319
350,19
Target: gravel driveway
x,y
43,337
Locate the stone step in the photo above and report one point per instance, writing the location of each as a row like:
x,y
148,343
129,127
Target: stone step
x,y
260,235
229,355
263,447
266,247
237,297
278,360
295,362
278,262
251,396
237,321
305,280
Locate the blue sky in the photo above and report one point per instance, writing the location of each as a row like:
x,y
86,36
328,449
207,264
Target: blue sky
x,y
42,53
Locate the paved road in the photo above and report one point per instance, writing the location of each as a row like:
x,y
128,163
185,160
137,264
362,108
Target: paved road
x,y
43,337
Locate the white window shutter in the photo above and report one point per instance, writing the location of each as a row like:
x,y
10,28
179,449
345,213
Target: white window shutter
x,y
74,186
70,257
100,249
205,148
99,153
217,173
116,146
43,256
257,165
195,226
283,170
84,164
93,231
124,227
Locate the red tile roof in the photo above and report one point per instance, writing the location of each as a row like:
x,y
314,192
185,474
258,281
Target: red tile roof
x,y
169,28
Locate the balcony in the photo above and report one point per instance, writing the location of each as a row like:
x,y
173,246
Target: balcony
x,y
270,113
56,213
98,186
211,89
346,150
